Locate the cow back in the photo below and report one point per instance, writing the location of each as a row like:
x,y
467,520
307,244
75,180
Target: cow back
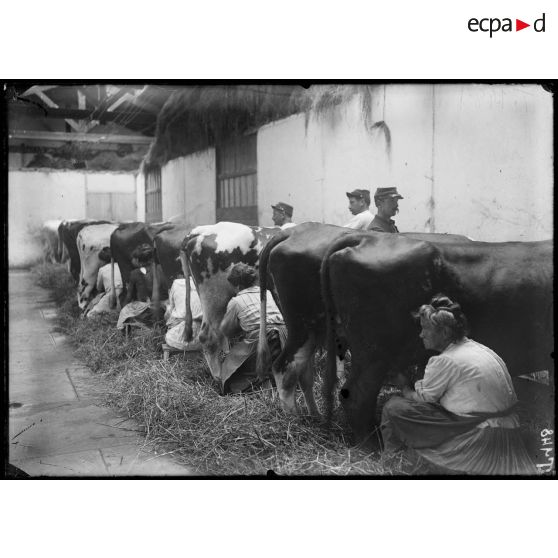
x,y
68,231
505,290
123,241
294,270
167,245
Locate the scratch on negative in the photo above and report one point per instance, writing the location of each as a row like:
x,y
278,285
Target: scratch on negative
x,y
24,430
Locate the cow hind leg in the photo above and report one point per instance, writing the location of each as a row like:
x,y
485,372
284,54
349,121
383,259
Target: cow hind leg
x,y
299,371
359,396
306,382
286,388
304,369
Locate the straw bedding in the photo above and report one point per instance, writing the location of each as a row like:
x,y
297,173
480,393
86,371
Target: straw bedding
x,y
178,405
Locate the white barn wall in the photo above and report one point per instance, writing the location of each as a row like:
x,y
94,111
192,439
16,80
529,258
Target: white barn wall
x,y
289,161
485,152
140,196
313,168
110,183
189,188
201,192
493,161
35,196
173,188
408,112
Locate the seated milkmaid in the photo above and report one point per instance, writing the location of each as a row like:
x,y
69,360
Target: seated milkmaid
x,y
460,416
137,304
176,313
101,303
241,326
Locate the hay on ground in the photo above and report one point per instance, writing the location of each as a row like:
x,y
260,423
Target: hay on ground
x,y
179,407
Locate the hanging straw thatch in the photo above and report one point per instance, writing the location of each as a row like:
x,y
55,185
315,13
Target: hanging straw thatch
x,y
195,118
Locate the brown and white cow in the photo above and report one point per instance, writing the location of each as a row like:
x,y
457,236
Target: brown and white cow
x,y
290,267
208,253
91,239
372,284
67,233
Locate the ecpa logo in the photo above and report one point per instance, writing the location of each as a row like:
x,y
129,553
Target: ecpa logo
x,y
494,24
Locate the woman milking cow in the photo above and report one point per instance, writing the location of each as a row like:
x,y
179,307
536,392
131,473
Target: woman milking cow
x,y
241,325
137,304
462,415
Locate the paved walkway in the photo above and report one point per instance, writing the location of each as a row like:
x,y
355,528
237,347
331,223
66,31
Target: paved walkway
x,y
58,424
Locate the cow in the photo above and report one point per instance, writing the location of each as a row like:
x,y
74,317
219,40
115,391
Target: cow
x,y
290,264
167,244
62,248
290,268
208,253
372,284
125,239
49,241
67,232
91,239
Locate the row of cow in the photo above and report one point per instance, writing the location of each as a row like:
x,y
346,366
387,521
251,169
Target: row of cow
x,y
78,242
344,290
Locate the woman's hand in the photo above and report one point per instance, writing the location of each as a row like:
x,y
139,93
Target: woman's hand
x,y
401,381
407,392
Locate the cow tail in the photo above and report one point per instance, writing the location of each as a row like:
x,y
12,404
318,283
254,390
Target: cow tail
x,y
188,333
263,356
112,297
155,295
330,378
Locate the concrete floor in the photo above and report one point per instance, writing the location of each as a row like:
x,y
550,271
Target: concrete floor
x,y
58,425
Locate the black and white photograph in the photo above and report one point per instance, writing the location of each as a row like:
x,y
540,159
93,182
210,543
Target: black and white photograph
x,y
280,279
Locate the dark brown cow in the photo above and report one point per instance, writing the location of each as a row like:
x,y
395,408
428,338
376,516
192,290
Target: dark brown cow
x,y
372,284
210,251
125,239
167,245
290,267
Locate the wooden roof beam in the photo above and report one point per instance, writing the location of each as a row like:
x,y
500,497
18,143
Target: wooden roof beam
x,y
33,90
141,118
80,137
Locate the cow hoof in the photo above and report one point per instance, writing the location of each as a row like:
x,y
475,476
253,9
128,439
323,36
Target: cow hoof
x,y
289,410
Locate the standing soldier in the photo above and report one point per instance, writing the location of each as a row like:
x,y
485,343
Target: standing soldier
x,y
282,215
386,200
